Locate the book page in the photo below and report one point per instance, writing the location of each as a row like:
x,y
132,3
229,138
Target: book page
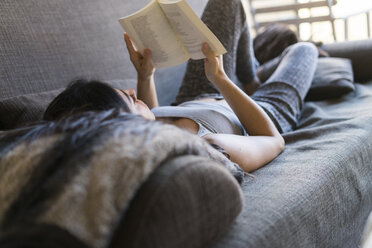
x,y
191,30
149,28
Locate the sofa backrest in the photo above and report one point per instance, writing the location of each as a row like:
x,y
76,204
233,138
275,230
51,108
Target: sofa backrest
x,y
360,54
44,44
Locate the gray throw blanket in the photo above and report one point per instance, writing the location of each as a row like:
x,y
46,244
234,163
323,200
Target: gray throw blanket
x,y
80,173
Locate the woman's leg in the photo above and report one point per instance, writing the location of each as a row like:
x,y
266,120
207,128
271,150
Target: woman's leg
x,y
282,95
227,20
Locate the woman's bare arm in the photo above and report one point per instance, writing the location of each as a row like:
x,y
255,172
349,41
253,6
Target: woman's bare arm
x,y
264,142
146,90
249,152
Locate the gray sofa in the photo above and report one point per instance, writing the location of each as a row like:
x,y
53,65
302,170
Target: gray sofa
x,y
317,193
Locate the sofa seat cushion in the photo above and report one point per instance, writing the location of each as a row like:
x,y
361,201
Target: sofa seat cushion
x,y
317,193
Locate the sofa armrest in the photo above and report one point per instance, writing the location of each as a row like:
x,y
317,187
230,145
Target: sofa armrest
x,y
360,53
188,202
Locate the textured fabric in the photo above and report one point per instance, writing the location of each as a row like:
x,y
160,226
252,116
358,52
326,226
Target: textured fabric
x,y
174,208
318,192
44,44
212,117
24,109
96,164
360,54
227,20
366,241
34,237
333,77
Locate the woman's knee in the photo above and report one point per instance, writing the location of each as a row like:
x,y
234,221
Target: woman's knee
x,y
302,49
228,2
225,5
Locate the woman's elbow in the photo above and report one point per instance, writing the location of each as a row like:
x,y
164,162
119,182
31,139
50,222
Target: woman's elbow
x,y
281,143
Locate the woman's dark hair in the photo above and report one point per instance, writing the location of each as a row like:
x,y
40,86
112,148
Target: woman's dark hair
x,y
83,95
271,42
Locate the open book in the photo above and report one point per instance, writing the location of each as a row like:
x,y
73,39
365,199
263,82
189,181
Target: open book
x,y
171,30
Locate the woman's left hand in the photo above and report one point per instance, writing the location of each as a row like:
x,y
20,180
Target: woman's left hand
x,y
142,63
213,65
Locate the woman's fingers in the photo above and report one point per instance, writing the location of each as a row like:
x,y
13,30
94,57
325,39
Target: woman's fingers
x,y
147,54
129,44
220,60
133,53
142,62
208,51
211,58
213,65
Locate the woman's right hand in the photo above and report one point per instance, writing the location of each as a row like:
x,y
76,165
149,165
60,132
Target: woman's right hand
x,y
213,65
142,63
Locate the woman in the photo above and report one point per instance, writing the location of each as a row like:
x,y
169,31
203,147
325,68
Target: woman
x,y
209,103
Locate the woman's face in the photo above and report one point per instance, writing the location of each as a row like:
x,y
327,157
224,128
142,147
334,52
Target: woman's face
x,y
135,105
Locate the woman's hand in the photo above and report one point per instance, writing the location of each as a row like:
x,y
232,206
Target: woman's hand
x,y
213,65
146,90
142,63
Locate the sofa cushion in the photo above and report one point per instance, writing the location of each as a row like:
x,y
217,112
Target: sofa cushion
x,y
333,77
182,205
20,110
45,44
24,109
360,53
317,193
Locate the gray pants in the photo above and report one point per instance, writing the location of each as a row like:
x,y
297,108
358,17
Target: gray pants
x,y
281,96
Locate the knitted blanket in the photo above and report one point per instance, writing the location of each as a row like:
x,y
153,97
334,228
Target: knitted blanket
x,y
81,172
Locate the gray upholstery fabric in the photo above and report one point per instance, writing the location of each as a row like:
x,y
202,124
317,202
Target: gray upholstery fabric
x,y
184,204
367,233
360,53
24,109
317,193
44,44
333,77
